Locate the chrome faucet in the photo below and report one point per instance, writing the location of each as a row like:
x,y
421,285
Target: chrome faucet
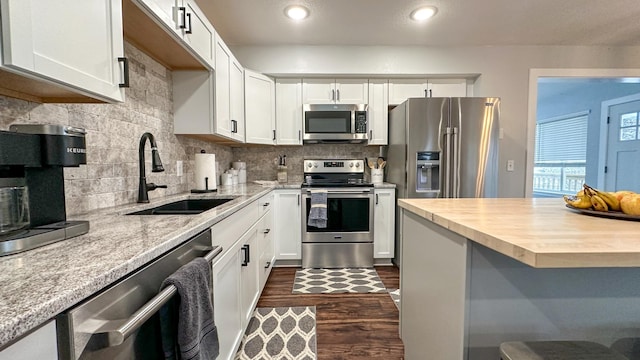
x,y
156,166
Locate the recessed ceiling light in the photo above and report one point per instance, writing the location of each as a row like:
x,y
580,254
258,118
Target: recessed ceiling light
x,y
423,13
296,12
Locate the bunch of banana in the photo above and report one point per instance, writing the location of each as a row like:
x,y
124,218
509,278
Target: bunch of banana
x,y
591,198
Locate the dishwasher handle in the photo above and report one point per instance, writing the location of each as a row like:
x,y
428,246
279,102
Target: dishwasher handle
x,y
117,331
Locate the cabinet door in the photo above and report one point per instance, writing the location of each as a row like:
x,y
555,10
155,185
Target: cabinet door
x,y
250,262
259,97
384,220
266,248
40,344
74,43
402,89
378,112
198,33
289,115
288,225
352,91
167,11
222,91
447,87
318,91
226,302
236,91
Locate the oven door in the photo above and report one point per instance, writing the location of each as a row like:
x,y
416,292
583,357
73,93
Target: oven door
x,y
349,216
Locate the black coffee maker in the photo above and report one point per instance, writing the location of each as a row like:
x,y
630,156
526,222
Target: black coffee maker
x,y
32,158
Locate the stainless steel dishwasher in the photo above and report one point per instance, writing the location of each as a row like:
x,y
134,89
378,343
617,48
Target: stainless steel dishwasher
x,y
122,322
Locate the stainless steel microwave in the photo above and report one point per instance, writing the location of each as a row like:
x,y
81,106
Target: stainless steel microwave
x,y
335,123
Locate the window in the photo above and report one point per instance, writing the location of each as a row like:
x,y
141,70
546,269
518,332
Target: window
x,y
629,129
560,154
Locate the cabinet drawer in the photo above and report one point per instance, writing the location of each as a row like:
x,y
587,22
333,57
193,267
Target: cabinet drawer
x,y
229,230
265,204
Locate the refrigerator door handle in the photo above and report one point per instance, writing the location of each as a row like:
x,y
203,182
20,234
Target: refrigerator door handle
x,y
447,151
456,164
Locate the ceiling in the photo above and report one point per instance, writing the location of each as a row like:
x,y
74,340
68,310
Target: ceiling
x,y
457,23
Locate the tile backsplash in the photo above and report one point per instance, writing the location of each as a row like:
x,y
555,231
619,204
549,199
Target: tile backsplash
x,y
111,174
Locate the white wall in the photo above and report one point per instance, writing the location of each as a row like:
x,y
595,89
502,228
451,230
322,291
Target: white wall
x,y
504,72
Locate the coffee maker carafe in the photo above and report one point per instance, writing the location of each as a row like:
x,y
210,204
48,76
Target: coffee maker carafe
x,y
32,158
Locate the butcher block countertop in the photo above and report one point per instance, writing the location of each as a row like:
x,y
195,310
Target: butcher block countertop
x,y
542,233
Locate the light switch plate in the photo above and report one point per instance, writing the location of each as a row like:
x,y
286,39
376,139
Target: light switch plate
x,y
179,168
510,165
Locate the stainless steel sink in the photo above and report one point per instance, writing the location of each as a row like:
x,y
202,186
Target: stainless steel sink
x,y
183,207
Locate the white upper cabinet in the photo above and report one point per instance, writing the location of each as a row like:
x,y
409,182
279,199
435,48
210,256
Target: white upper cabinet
x,y
289,116
236,99
402,89
335,91
259,98
187,22
447,87
75,44
377,117
229,94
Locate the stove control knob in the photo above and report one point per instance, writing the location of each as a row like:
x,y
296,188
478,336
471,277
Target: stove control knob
x,y
309,165
351,164
315,165
357,165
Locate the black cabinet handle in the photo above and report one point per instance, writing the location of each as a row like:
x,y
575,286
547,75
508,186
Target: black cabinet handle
x,y
246,259
188,31
183,24
268,264
234,126
265,204
125,70
376,199
299,134
274,135
338,95
430,93
266,231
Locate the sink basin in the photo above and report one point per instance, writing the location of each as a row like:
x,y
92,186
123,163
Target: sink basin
x,y
183,207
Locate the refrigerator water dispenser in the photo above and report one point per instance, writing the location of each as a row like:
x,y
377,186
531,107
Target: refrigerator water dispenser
x,y
428,173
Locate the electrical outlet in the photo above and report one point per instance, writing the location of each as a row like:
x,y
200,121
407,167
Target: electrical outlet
x,y
179,168
510,165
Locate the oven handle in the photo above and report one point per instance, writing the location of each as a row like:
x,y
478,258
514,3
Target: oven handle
x,y
344,191
117,331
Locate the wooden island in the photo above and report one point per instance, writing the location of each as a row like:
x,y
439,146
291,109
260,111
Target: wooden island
x,y
477,272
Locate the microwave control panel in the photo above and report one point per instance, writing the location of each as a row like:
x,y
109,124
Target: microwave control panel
x,y
361,122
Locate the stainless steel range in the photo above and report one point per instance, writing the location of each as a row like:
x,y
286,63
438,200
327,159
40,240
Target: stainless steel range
x,y
347,238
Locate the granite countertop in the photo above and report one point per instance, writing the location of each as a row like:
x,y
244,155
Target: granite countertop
x,y
40,283
541,233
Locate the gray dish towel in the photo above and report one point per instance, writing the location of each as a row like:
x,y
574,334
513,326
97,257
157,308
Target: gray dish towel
x,y
318,211
188,317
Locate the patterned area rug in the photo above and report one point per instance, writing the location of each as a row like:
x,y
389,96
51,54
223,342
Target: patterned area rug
x,y
395,296
331,281
280,333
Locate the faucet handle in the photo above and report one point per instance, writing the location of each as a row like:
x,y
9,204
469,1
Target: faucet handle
x,y
152,186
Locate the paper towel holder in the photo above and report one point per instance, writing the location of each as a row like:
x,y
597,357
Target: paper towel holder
x,y
206,183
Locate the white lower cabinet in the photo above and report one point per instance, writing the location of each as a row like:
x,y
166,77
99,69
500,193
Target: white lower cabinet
x,y
40,344
288,224
249,273
227,302
239,274
384,223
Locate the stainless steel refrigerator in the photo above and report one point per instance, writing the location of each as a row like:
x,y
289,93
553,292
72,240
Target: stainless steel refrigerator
x,y
443,148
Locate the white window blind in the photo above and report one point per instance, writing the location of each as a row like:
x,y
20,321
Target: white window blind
x,y
562,138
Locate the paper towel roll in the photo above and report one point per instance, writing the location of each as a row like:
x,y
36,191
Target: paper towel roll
x,y
205,169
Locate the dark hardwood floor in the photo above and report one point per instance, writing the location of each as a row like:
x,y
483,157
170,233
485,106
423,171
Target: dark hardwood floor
x,y
348,326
